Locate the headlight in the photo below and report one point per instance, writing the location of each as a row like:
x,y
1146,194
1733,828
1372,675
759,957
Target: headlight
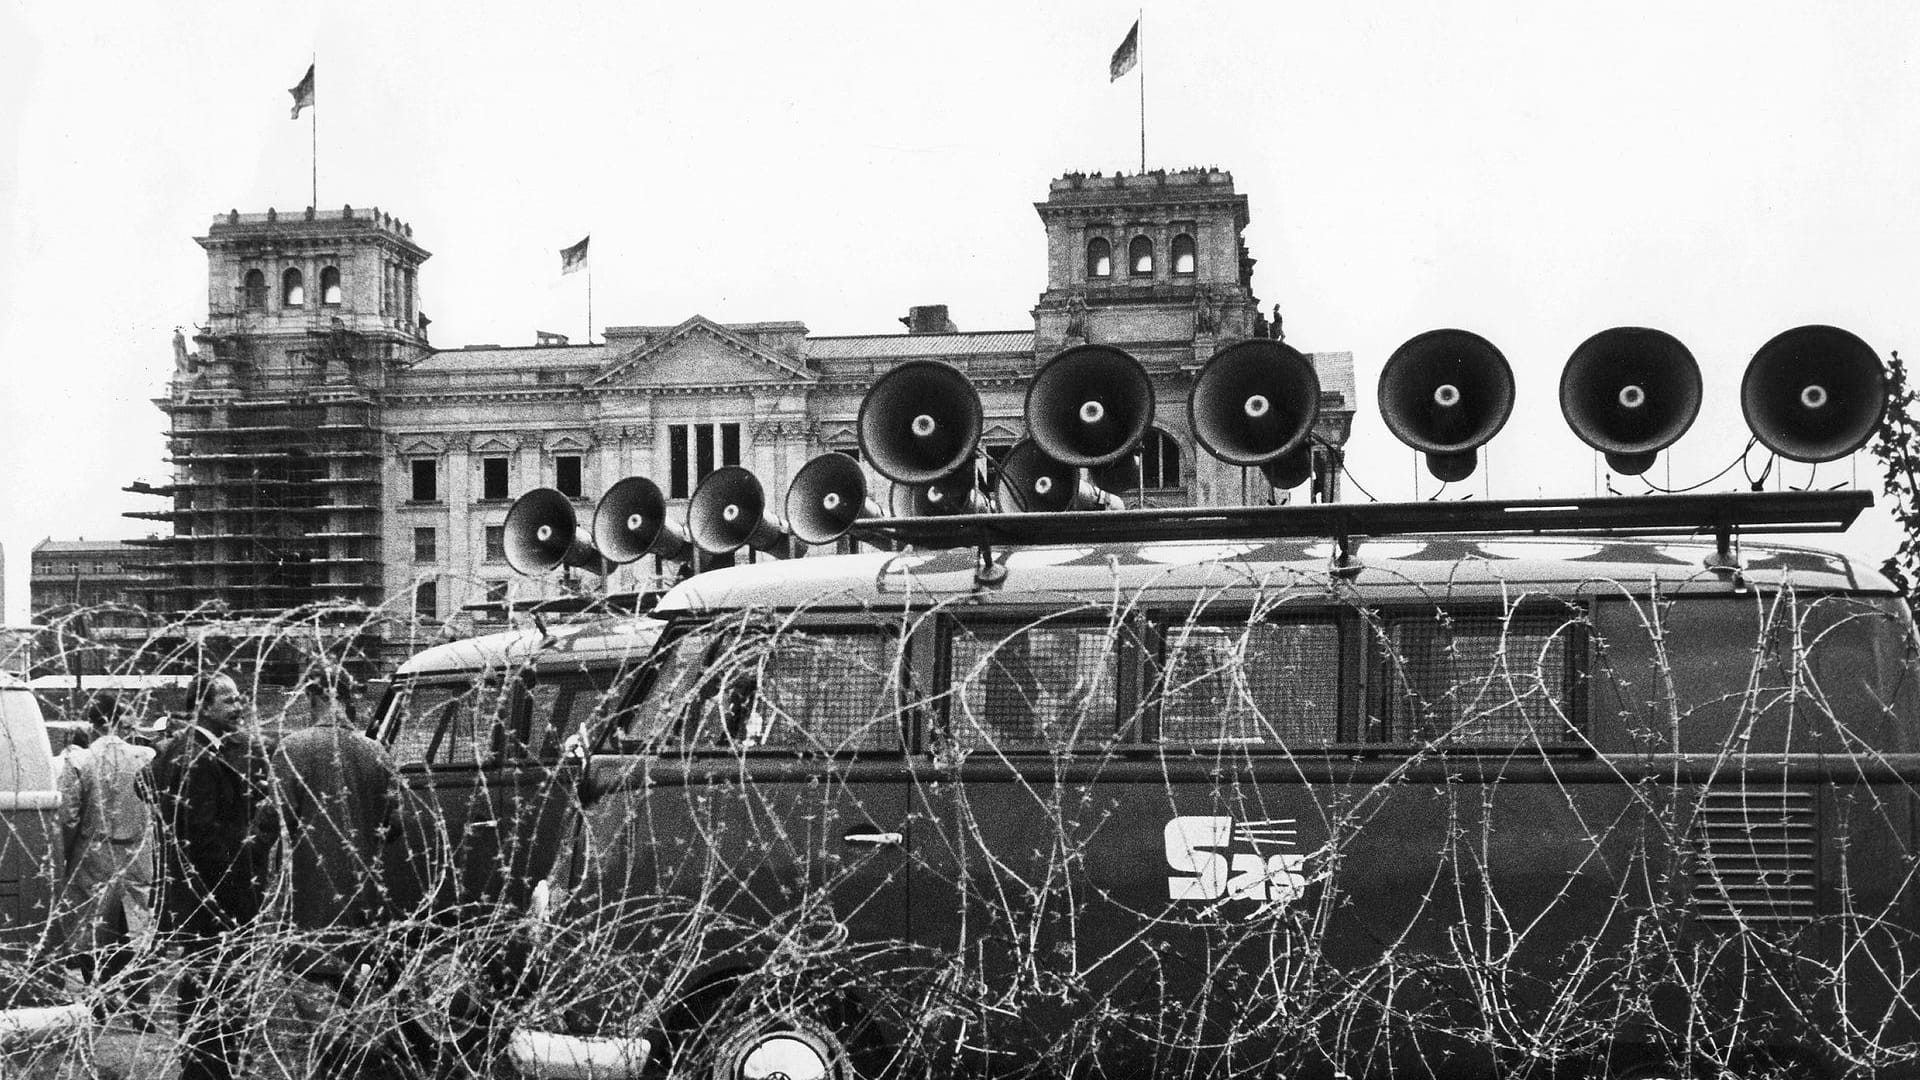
x,y
784,1054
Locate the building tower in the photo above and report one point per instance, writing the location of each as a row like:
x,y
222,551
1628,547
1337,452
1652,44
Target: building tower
x,y
274,419
1155,262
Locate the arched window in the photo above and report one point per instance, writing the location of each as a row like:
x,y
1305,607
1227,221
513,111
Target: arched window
x,y
1099,258
253,291
293,288
1159,467
1140,257
330,285
1183,258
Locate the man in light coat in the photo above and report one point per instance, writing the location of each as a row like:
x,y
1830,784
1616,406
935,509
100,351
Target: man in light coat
x,y
108,831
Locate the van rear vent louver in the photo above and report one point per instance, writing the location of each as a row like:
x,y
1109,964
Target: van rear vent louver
x,y
1756,865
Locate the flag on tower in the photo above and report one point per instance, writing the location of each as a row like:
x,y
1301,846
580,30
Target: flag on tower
x,y
575,257
1127,54
303,94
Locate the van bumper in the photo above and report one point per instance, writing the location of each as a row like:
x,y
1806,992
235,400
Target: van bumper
x,y
37,1021
553,1056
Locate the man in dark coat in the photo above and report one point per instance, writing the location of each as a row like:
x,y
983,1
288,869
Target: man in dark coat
x,y
335,797
207,785
335,804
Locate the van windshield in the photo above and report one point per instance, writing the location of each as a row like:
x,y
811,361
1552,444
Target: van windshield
x,y
814,691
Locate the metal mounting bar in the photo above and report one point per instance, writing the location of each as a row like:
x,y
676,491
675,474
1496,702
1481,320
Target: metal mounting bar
x,y
1646,515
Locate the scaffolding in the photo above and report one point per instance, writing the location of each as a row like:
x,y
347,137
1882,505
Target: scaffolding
x,y
275,496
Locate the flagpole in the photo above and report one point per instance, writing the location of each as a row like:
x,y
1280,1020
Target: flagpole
x,y
589,300
1140,47
313,157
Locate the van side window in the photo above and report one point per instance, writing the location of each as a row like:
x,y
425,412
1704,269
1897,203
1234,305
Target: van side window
x,y
829,692
1251,683
1032,688
1472,679
452,724
561,705
815,692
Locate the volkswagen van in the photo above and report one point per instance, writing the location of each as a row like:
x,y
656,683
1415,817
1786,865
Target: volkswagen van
x,y
32,867
1411,790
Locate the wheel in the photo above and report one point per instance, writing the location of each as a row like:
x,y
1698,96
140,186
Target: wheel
x,y
451,1025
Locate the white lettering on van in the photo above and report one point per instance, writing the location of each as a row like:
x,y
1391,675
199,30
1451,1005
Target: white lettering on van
x,y
1200,850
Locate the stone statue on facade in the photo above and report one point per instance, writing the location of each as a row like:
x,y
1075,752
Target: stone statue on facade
x,y
1076,318
1279,334
1205,322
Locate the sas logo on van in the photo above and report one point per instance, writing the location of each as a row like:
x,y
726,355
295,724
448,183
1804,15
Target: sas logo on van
x,y
1218,858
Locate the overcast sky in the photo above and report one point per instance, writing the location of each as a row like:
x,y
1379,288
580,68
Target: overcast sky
x,y
1535,173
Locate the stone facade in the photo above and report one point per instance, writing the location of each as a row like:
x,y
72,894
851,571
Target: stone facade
x,y
395,463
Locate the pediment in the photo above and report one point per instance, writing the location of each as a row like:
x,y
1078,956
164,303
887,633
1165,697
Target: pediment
x,y
700,353
421,445
494,442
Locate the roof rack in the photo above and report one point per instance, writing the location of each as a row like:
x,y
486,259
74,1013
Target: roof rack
x,y
1719,515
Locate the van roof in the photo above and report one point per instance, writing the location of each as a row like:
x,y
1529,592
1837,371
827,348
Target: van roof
x,y
1396,568
564,644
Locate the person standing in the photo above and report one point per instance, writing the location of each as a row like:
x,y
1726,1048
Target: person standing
x,y
335,802
207,785
107,827
335,797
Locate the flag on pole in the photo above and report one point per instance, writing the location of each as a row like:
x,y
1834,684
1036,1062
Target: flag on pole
x,y
1127,54
575,257
303,94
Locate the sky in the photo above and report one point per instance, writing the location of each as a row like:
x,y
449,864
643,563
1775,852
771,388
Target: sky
x,y
1532,172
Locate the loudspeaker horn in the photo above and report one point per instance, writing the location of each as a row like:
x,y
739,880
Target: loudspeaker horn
x,y
1445,393
957,492
920,422
542,533
827,497
1089,406
1814,393
1254,401
1032,482
729,510
631,521
1630,392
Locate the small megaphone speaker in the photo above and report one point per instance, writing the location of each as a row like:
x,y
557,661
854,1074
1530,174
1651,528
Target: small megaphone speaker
x,y
957,492
1254,402
1814,393
631,521
827,496
1089,406
729,510
1033,483
1630,392
1445,393
920,422
542,533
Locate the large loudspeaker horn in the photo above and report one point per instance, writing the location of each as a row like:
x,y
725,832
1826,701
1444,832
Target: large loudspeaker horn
x,y
631,521
957,492
729,510
920,422
542,533
827,496
1089,406
1032,482
1255,401
1814,393
1445,393
1630,392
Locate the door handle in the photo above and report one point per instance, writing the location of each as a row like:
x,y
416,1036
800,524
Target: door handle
x,y
876,839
